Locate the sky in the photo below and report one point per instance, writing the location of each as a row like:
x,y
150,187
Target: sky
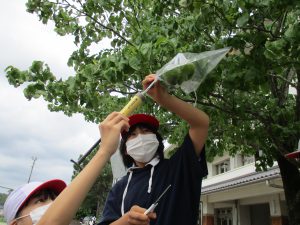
x,y
28,129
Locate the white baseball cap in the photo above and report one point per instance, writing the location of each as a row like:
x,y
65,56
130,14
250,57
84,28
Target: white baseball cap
x,y
19,196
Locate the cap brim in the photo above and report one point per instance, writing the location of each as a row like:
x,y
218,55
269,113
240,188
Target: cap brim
x,y
56,185
142,118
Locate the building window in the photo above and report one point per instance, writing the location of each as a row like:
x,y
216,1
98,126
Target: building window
x,y
222,167
248,159
224,216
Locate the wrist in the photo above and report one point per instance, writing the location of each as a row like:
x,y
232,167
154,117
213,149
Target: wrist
x,y
104,152
163,98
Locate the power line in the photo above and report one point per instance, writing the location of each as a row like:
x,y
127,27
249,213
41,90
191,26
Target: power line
x,y
10,189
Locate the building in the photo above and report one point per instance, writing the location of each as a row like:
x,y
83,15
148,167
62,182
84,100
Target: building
x,y
235,194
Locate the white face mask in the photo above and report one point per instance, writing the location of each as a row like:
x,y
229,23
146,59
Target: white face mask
x,y
37,213
143,147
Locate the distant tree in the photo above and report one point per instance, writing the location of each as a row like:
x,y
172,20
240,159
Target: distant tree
x,y
247,96
2,198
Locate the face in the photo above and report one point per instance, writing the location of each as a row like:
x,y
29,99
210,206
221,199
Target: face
x,y
137,131
33,203
137,153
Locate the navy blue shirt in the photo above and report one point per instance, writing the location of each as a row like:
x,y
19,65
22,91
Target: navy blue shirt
x,y
180,205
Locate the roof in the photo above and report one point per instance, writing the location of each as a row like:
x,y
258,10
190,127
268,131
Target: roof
x,y
251,178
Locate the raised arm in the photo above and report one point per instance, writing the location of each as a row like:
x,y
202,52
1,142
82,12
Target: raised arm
x,y
197,119
65,206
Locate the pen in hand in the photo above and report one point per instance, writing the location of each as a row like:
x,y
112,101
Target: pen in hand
x,y
152,207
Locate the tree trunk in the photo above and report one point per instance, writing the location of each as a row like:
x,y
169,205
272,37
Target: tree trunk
x,y
291,182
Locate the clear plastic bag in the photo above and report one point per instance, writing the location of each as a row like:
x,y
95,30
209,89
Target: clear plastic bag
x,y
188,70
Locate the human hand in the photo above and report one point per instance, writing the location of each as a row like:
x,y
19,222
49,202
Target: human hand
x,y
136,216
157,91
110,129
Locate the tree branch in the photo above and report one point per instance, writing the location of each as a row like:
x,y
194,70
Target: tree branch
x,y
281,21
221,13
111,29
100,24
134,13
283,79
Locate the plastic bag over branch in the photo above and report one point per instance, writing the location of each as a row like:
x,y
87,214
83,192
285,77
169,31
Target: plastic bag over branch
x,y
188,70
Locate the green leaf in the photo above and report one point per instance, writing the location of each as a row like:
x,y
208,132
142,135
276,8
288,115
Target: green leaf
x,y
161,40
185,3
243,19
146,49
135,63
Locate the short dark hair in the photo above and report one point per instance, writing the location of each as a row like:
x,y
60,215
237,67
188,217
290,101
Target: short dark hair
x,y
44,193
127,159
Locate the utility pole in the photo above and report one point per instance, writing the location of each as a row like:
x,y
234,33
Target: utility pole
x,y
34,159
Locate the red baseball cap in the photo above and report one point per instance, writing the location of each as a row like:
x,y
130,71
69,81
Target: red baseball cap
x,y
19,196
142,118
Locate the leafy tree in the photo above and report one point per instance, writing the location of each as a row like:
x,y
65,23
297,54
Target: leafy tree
x,y
247,96
95,200
2,198
2,201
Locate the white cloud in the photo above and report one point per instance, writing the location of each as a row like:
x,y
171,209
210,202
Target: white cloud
x,y
27,128
25,39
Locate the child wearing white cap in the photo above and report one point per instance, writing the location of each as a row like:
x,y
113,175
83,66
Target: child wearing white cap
x,y
31,200
54,203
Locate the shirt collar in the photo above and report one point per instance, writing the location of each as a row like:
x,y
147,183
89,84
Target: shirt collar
x,y
152,162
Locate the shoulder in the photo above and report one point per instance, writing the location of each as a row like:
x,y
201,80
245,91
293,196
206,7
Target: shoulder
x,y
120,183
185,146
186,152
187,142
188,145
